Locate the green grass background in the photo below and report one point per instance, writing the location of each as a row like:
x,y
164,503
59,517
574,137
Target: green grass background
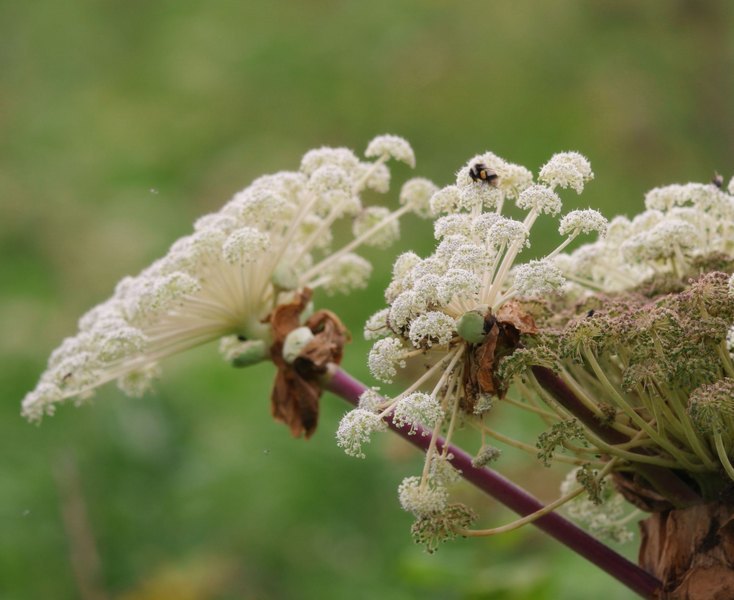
x,y
122,121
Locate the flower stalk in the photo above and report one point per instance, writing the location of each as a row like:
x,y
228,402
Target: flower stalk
x,y
512,496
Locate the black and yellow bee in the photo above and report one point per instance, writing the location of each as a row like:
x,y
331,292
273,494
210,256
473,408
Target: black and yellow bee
x,y
481,172
718,180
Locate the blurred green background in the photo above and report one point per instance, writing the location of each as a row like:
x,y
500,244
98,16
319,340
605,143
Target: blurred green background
x,y
122,121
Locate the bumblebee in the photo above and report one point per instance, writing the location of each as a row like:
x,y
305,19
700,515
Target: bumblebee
x,y
718,180
481,172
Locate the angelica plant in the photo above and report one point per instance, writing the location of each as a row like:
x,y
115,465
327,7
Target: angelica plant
x,y
457,310
622,348
270,244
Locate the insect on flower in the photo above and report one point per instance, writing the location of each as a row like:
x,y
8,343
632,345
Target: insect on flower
x,y
481,172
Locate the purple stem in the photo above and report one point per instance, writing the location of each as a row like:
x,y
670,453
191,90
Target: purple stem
x,y
515,498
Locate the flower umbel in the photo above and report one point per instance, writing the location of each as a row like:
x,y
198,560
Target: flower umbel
x,y
265,245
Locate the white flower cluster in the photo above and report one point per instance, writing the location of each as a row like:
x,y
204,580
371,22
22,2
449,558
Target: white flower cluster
x,y
422,498
417,409
221,281
682,222
472,266
606,519
438,305
356,429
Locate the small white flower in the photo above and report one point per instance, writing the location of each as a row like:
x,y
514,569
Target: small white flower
x,y
540,198
583,221
567,169
371,400
446,200
416,193
458,224
513,179
472,257
646,220
392,146
417,409
355,429
459,282
405,307
368,219
377,177
480,195
422,500
376,326
384,358
245,245
432,328
427,290
508,231
442,471
336,157
618,230
404,264
482,224
538,277
349,272
661,242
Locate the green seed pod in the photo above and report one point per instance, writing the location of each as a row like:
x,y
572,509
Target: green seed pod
x,y
470,326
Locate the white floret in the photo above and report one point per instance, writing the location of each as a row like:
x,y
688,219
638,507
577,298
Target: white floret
x,y
245,245
371,400
432,328
459,224
446,200
583,221
385,357
418,409
369,218
355,429
567,169
416,194
422,500
136,383
541,199
376,326
391,146
336,157
349,272
461,283
537,277
508,231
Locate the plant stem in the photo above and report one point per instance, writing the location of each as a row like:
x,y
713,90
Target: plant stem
x,y
514,497
664,480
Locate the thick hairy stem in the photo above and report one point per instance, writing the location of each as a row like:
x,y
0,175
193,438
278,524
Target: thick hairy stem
x,y
515,498
665,481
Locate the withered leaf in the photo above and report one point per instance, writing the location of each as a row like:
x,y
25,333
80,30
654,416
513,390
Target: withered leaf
x,y
690,551
503,337
296,390
512,313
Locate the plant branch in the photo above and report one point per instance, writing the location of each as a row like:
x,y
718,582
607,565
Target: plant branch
x,y
514,497
664,480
